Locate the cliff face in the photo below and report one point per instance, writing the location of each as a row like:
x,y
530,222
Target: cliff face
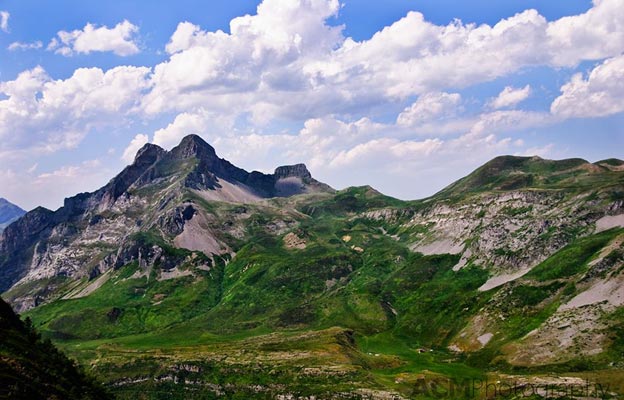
x,y
82,236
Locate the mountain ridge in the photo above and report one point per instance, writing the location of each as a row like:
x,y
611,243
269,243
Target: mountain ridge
x,y
179,270
9,212
193,165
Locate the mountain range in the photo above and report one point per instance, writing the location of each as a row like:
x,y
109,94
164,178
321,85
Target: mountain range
x,y
9,212
189,276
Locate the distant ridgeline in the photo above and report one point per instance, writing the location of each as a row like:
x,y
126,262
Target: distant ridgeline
x,y
8,213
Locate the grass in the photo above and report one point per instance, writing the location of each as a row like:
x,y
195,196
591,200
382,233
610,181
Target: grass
x,y
573,258
362,312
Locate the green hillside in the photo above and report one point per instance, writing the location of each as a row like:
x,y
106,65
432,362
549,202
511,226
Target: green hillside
x,y
178,280
32,368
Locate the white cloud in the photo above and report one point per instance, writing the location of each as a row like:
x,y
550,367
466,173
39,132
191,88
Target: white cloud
x,y
594,35
599,95
25,46
48,189
46,115
121,40
547,151
4,21
288,66
428,107
385,151
139,141
183,125
510,97
288,49
501,121
262,52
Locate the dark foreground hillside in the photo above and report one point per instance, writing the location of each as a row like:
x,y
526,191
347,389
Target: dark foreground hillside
x,y
31,368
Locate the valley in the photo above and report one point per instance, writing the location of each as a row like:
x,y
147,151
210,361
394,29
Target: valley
x,y
187,277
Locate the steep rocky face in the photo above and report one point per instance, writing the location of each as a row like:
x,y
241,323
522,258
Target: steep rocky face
x,y
288,171
9,212
154,193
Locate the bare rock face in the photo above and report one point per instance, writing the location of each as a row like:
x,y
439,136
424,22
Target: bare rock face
x,y
93,232
296,179
297,170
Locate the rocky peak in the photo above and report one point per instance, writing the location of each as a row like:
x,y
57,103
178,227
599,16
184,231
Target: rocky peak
x,y
194,146
297,170
149,154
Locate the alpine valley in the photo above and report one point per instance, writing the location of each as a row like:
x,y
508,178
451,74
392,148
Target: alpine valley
x,y
186,277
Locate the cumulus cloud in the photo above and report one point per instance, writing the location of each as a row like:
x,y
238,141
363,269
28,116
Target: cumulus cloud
x,y
385,150
25,46
594,35
46,115
599,95
286,83
121,40
262,53
184,124
139,141
510,97
428,107
4,21
289,48
27,186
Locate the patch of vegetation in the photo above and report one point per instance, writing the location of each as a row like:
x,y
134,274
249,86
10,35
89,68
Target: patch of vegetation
x,y
573,258
32,368
515,211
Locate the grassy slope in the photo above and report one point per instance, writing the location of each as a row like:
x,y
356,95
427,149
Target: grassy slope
x,y
34,369
366,307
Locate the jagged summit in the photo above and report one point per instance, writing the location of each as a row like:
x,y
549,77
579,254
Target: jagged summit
x,y
212,173
149,152
155,190
193,146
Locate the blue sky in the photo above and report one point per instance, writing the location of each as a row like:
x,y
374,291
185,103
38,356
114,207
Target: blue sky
x,y
406,96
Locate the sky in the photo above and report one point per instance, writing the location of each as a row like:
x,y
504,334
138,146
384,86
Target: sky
x,y
403,95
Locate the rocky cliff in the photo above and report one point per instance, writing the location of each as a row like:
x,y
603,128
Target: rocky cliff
x,y
85,236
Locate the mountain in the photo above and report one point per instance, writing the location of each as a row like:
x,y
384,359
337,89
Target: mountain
x,y
34,369
509,173
187,276
161,191
9,212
